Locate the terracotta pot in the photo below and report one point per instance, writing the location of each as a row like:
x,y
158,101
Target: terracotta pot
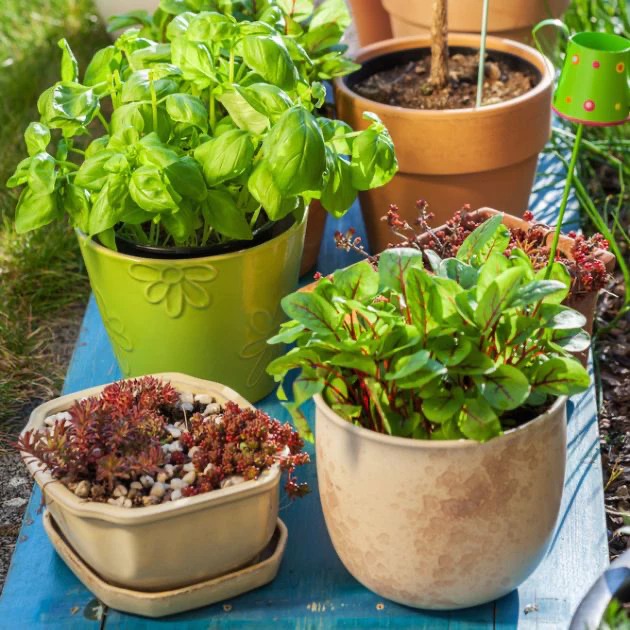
x,y
371,21
453,157
169,545
512,19
315,226
441,525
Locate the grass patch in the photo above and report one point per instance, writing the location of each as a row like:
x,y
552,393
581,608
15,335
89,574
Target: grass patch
x,y
42,283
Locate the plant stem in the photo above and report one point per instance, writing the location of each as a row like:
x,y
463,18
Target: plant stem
x,y
153,102
231,70
439,44
212,110
565,199
103,121
482,52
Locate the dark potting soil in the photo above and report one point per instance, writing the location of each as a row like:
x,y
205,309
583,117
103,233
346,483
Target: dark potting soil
x,y
407,84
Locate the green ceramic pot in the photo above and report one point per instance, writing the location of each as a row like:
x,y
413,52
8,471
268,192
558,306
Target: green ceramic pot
x,y
208,317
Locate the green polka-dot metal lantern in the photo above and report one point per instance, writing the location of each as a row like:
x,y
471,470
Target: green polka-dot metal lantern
x,y
592,90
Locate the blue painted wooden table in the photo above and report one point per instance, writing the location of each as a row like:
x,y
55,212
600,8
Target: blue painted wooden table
x,y
312,589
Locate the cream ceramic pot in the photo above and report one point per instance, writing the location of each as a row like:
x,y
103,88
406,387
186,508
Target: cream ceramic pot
x,y
513,19
441,525
173,544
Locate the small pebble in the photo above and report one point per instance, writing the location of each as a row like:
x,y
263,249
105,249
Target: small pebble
x,y
234,480
132,494
622,492
169,470
174,431
162,477
204,399
127,503
189,477
177,484
136,485
62,415
83,489
147,481
176,494
188,407
186,397
212,409
97,491
120,491
188,467
209,469
118,502
174,446
158,490
192,451
149,500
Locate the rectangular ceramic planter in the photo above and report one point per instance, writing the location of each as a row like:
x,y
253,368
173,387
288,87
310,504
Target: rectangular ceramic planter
x,y
169,545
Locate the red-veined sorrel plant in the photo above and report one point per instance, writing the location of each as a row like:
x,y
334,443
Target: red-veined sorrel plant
x,y
123,435
479,344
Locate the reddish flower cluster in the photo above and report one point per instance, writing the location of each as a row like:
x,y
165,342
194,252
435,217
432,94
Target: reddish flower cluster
x,y
587,271
122,434
245,442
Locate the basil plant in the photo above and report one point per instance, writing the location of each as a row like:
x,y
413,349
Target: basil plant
x,y
206,136
465,348
312,35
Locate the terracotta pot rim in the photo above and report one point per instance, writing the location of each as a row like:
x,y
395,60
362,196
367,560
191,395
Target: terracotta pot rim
x,y
105,251
518,49
390,440
54,490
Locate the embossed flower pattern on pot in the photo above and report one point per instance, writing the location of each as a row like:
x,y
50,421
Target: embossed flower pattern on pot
x,y
117,335
175,287
262,325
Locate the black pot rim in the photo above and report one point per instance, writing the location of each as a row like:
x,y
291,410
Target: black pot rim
x,y
264,234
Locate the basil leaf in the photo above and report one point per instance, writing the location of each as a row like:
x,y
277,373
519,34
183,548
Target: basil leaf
x,y
138,87
41,174
102,66
37,137
187,109
226,157
35,210
242,113
69,65
69,107
263,188
339,193
149,190
373,159
186,177
92,174
269,57
295,152
222,213
268,100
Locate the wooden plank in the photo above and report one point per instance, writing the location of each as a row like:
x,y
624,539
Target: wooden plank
x,y
313,590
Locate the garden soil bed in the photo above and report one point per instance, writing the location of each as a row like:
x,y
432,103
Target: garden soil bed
x,y
613,355
408,85
15,481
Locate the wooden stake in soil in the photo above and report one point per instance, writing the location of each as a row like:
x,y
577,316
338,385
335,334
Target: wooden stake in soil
x,y
439,44
482,52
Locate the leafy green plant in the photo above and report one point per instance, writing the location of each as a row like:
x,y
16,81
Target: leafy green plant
x,y
311,35
212,135
476,344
